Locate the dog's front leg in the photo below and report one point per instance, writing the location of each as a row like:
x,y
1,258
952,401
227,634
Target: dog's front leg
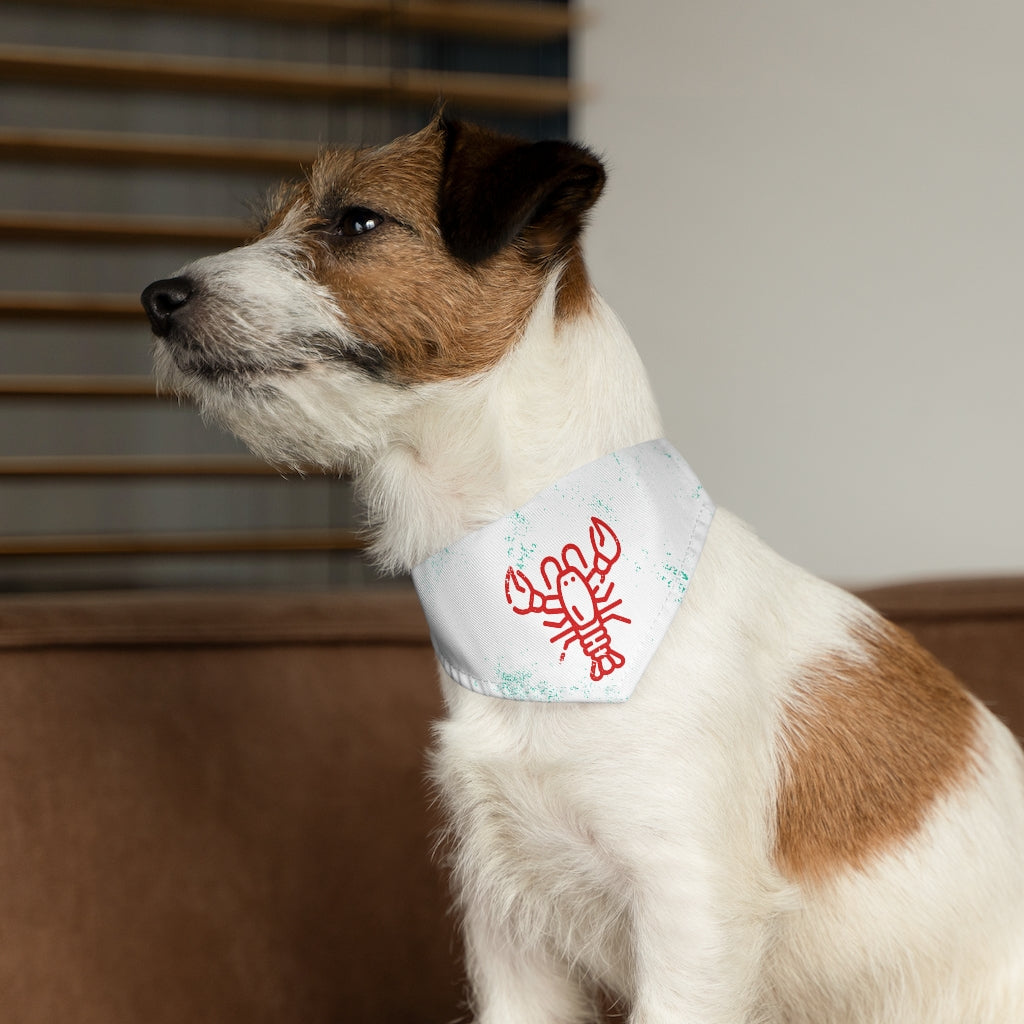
x,y
512,982
699,958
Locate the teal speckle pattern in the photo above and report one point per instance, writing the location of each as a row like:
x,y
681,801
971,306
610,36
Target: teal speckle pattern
x,y
520,551
675,577
519,684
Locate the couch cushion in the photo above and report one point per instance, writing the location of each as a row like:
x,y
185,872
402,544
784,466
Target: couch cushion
x,y
214,809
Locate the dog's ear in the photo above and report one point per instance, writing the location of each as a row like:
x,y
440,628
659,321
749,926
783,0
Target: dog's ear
x,y
496,190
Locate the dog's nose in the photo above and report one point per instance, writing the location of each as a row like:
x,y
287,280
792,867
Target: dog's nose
x,y
163,299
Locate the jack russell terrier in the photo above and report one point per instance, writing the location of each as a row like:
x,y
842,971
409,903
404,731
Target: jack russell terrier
x,y
678,771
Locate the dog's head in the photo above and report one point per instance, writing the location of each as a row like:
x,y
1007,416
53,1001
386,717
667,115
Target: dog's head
x,y
385,272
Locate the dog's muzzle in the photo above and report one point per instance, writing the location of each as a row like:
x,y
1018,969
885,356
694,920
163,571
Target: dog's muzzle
x,y
164,302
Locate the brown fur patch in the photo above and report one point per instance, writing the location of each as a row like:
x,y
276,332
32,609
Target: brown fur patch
x,y
575,293
869,745
427,315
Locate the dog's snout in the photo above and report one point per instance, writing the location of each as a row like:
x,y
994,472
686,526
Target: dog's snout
x,y
162,300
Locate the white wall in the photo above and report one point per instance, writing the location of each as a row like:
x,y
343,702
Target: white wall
x,y
814,229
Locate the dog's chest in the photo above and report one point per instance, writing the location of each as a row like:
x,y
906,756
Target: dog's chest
x,y
529,838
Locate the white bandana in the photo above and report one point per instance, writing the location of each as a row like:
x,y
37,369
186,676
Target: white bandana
x,y
568,597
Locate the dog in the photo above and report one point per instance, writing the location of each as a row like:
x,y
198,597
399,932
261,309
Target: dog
x,y
796,816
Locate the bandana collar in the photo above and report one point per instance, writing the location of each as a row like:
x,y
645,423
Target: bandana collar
x,y
568,597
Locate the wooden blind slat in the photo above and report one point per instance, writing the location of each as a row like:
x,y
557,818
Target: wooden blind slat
x,y
142,466
179,152
76,386
69,306
512,21
192,543
21,226
502,21
68,66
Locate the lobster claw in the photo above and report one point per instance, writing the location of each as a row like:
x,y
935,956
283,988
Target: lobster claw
x,y
521,594
605,544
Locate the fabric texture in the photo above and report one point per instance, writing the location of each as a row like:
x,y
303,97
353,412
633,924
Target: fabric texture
x,y
568,597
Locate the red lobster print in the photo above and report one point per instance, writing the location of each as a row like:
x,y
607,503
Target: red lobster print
x,y
574,594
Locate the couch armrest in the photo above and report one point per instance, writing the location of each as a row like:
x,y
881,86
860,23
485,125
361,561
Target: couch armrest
x,y
974,626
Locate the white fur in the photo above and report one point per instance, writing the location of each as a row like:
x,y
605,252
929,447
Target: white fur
x,y
631,846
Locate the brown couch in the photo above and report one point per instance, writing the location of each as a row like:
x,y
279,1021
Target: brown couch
x,y
212,806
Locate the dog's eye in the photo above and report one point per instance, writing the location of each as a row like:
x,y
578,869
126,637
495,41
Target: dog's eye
x,y
357,220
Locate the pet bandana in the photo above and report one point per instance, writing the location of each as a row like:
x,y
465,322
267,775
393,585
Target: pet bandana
x,y
568,597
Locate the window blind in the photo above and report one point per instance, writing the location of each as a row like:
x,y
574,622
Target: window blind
x,y
131,139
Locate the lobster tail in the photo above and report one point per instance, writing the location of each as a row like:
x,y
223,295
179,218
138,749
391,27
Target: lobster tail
x,y
605,663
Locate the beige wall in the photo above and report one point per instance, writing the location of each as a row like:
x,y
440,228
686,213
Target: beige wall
x,y
815,232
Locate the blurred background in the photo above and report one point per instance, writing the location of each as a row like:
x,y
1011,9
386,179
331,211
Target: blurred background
x,y
814,229
815,232
133,137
